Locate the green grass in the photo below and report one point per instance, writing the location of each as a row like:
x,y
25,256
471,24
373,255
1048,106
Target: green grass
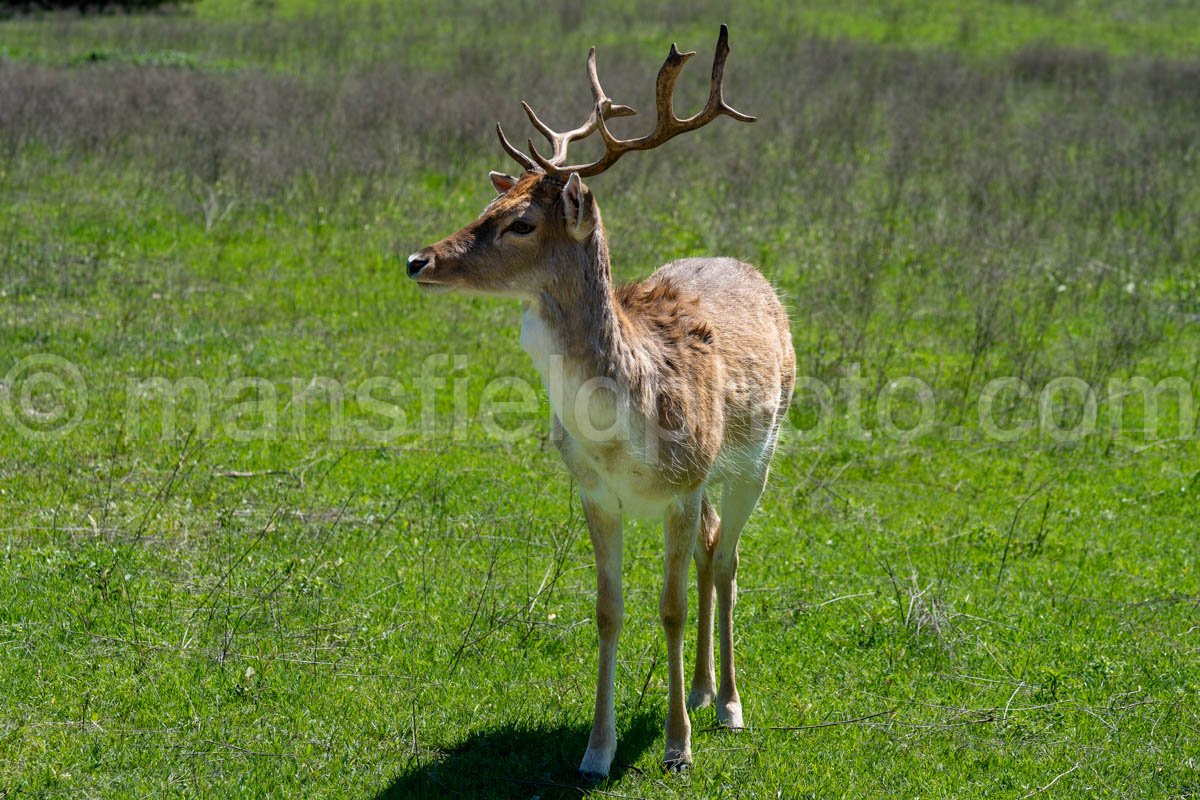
x,y
246,33
277,601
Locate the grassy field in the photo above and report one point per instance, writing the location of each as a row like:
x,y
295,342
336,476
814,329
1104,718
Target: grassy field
x,y
274,524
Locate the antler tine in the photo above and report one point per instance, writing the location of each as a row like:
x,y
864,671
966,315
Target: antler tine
x,y
547,165
522,159
664,90
602,100
598,95
716,97
553,137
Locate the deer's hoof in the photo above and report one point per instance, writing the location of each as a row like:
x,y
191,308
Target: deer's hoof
x,y
730,715
674,766
596,763
700,697
677,758
592,778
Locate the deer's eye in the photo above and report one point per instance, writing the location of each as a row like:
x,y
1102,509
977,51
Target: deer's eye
x,y
519,227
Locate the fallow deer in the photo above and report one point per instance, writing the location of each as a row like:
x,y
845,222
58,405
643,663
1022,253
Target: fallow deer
x,y
659,389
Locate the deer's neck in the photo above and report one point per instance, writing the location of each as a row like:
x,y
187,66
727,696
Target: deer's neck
x,y
573,329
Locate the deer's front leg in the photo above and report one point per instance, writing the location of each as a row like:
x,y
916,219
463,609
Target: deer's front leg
x,y
682,524
605,529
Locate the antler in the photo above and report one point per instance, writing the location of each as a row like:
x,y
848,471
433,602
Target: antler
x,y
667,127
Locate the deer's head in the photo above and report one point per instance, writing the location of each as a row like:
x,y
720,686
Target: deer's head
x,y
539,220
517,243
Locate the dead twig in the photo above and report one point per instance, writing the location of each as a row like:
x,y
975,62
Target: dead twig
x,y
824,603
1013,527
1054,781
266,473
467,641
833,723
646,683
237,749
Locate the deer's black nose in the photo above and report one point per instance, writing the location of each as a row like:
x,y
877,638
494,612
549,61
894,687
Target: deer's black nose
x,y
416,262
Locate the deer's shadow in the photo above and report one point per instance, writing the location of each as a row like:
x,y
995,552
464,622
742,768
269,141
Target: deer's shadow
x,y
519,761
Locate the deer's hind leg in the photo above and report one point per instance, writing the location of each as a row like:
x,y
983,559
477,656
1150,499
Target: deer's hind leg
x,y
704,679
739,497
682,526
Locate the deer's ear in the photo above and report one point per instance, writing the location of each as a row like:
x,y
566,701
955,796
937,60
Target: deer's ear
x,y
502,182
578,208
